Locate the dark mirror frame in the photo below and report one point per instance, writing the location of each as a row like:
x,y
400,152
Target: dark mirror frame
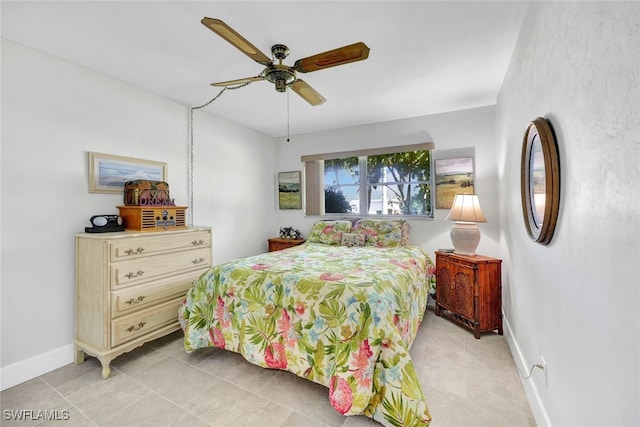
x,y
540,130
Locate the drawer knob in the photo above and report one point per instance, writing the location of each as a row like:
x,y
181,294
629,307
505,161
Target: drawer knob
x,y
132,301
135,328
134,251
198,261
198,242
136,274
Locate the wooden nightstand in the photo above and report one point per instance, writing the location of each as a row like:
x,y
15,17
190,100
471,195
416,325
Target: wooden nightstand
x,y
278,243
469,291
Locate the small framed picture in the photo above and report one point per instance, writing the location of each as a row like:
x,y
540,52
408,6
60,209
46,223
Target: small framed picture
x,y
453,176
289,194
108,173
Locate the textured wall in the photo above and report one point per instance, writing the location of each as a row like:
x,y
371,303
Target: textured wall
x,y
576,301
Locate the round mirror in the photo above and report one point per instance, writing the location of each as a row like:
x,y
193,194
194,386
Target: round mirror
x,y
540,181
537,190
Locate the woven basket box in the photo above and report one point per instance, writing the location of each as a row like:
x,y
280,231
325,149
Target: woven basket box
x,y
142,192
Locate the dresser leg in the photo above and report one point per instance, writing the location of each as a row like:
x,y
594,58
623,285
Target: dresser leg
x,y
106,370
79,356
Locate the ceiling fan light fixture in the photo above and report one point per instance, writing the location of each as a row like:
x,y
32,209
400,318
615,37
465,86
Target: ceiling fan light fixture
x,y
280,75
281,85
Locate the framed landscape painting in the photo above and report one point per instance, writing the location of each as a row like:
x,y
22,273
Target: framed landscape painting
x,y
108,173
289,195
453,176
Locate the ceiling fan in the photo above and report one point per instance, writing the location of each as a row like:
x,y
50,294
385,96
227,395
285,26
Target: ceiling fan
x,y
283,76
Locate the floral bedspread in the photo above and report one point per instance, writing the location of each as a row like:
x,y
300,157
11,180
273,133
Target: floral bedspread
x,y
339,316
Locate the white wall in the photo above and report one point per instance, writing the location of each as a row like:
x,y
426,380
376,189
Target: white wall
x,y
53,113
234,190
449,131
576,301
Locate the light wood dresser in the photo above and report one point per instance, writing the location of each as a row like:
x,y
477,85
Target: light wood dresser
x,y
129,286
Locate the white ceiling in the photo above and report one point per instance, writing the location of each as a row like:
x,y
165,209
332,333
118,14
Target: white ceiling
x,y
426,57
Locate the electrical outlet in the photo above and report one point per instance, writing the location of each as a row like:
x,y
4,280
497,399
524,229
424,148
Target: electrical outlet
x,y
545,369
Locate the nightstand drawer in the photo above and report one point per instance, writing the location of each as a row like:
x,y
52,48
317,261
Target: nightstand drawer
x,y
142,269
150,245
278,244
145,321
132,298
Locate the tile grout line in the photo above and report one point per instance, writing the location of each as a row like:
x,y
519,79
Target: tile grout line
x,y
55,390
161,395
278,372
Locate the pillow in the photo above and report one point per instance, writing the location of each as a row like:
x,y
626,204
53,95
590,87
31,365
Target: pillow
x,y
405,239
383,233
328,232
352,239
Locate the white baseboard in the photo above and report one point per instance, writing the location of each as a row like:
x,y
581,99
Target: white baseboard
x,y
35,366
537,406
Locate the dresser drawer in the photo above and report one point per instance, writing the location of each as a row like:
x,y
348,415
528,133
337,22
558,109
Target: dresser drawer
x,y
149,245
132,298
144,321
142,269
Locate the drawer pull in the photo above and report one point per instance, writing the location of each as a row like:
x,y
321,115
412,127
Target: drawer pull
x,y
135,328
197,261
131,275
134,251
198,242
132,301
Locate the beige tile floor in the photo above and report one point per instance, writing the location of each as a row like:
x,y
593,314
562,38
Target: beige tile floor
x,y
467,382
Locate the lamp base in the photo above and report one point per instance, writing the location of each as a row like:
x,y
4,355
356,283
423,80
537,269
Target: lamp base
x,y
465,237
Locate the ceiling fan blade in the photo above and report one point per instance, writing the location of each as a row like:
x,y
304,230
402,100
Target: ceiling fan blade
x,y
342,55
230,35
238,81
308,93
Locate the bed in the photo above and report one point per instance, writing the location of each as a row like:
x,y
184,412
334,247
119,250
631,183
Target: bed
x,y
341,310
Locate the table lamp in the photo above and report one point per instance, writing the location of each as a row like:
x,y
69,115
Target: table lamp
x,y
465,234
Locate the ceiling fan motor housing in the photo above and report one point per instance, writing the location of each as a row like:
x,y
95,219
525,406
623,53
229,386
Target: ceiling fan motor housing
x,y
279,51
280,75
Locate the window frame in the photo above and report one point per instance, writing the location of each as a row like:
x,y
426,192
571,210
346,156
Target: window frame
x,y
314,180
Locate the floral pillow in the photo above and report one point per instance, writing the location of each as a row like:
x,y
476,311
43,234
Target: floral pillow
x,y
383,233
328,232
352,239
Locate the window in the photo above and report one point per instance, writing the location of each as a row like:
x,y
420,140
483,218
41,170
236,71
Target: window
x,y
387,181
342,185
